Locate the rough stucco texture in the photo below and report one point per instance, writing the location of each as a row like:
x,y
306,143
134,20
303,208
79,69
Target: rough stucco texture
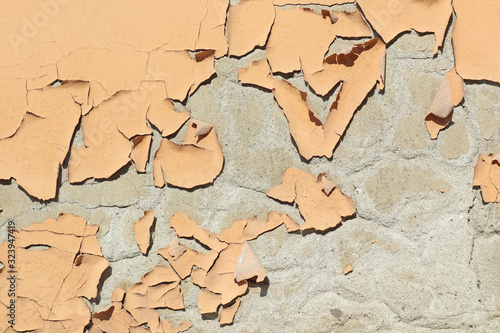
x,y
434,264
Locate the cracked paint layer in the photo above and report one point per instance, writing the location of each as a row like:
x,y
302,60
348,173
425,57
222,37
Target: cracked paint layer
x,y
34,154
179,257
224,271
13,95
476,57
181,73
301,38
391,18
132,309
172,25
59,264
128,60
108,130
358,70
211,33
249,25
123,76
103,68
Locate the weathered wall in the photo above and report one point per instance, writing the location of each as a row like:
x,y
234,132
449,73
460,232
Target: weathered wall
x,y
435,262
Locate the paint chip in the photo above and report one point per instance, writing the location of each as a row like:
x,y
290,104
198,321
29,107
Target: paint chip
x,y
248,266
348,269
196,162
449,95
187,228
54,281
140,152
163,116
291,225
143,231
227,314
220,278
182,263
487,176
244,230
321,212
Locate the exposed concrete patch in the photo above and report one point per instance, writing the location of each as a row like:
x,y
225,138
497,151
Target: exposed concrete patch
x,y
454,142
388,186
